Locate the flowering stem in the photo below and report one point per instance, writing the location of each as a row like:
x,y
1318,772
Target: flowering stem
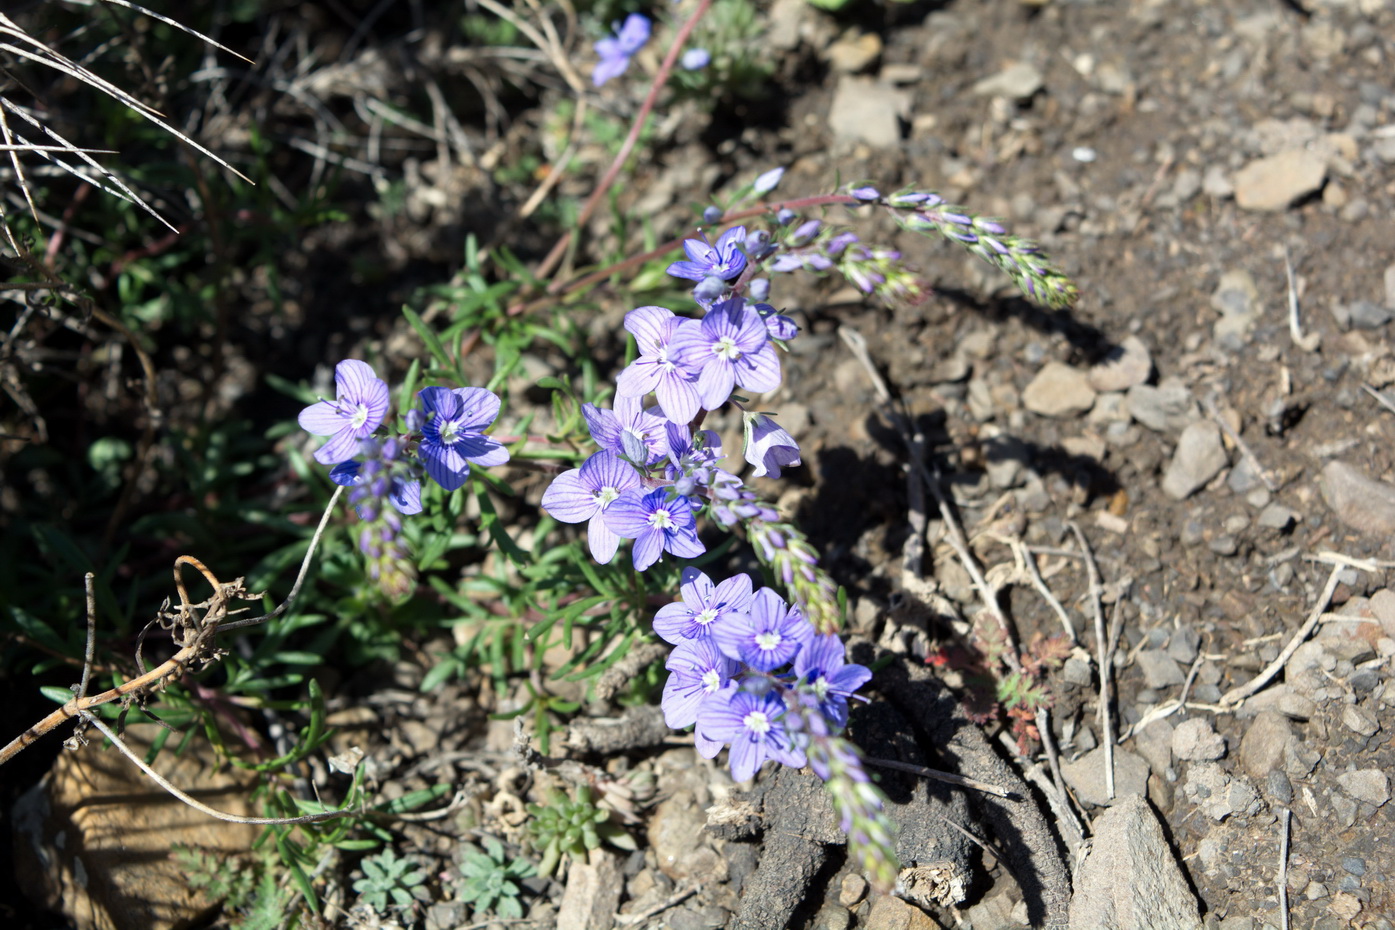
x,y
549,264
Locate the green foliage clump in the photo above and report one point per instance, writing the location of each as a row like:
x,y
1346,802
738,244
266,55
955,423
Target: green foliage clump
x,y
490,883
574,827
385,876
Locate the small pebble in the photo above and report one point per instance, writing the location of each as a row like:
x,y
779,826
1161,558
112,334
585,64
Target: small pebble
x,y
1280,788
1354,864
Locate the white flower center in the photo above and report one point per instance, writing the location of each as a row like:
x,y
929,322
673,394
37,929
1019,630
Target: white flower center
x,y
767,641
606,496
757,722
820,687
725,348
358,416
711,681
449,433
706,617
660,520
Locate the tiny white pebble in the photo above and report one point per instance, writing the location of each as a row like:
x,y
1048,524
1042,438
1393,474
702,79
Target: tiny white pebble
x,y
1084,153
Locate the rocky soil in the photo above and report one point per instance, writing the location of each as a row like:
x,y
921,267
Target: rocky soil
x,y
1215,419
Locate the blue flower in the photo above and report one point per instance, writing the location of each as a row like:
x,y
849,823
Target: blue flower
x,y
453,434
729,346
616,52
823,666
753,725
768,447
629,430
704,607
380,476
767,637
767,181
724,260
696,669
584,494
656,524
655,369
695,59
360,405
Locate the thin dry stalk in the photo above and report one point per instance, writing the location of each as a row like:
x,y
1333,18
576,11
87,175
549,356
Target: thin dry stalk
x,y
201,622
1284,820
948,778
1238,694
1104,656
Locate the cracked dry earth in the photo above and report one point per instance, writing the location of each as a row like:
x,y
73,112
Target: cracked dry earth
x,y
1229,459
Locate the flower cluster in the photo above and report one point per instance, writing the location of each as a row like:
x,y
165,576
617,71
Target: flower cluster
x,y
654,474
749,672
441,440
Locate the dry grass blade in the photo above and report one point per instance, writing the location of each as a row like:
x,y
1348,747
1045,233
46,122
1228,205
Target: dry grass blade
x,y
26,47
119,188
168,22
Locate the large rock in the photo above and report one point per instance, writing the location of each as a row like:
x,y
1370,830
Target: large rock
x,y
1362,503
1087,776
93,838
1199,457
1130,880
869,111
1273,183
1059,390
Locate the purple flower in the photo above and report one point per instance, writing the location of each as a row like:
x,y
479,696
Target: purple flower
x,y
629,430
697,668
453,434
657,524
695,59
703,608
361,402
727,347
769,636
584,494
655,370
692,459
615,53
823,666
767,181
768,447
778,325
752,724
866,193
377,477
725,260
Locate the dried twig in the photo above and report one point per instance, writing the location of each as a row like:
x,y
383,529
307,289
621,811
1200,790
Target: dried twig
x,y
1029,562
1238,694
948,778
1284,819
196,648
1310,342
1104,656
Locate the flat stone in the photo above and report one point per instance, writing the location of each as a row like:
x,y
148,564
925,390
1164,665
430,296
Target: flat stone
x,y
1122,367
864,110
890,913
1369,785
1154,743
1367,314
1359,720
853,52
1131,879
92,839
1263,746
1361,503
1195,740
592,893
1159,669
1199,457
1166,408
1059,390
677,837
1018,82
1277,517
1218,794
1087,776
1273,183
